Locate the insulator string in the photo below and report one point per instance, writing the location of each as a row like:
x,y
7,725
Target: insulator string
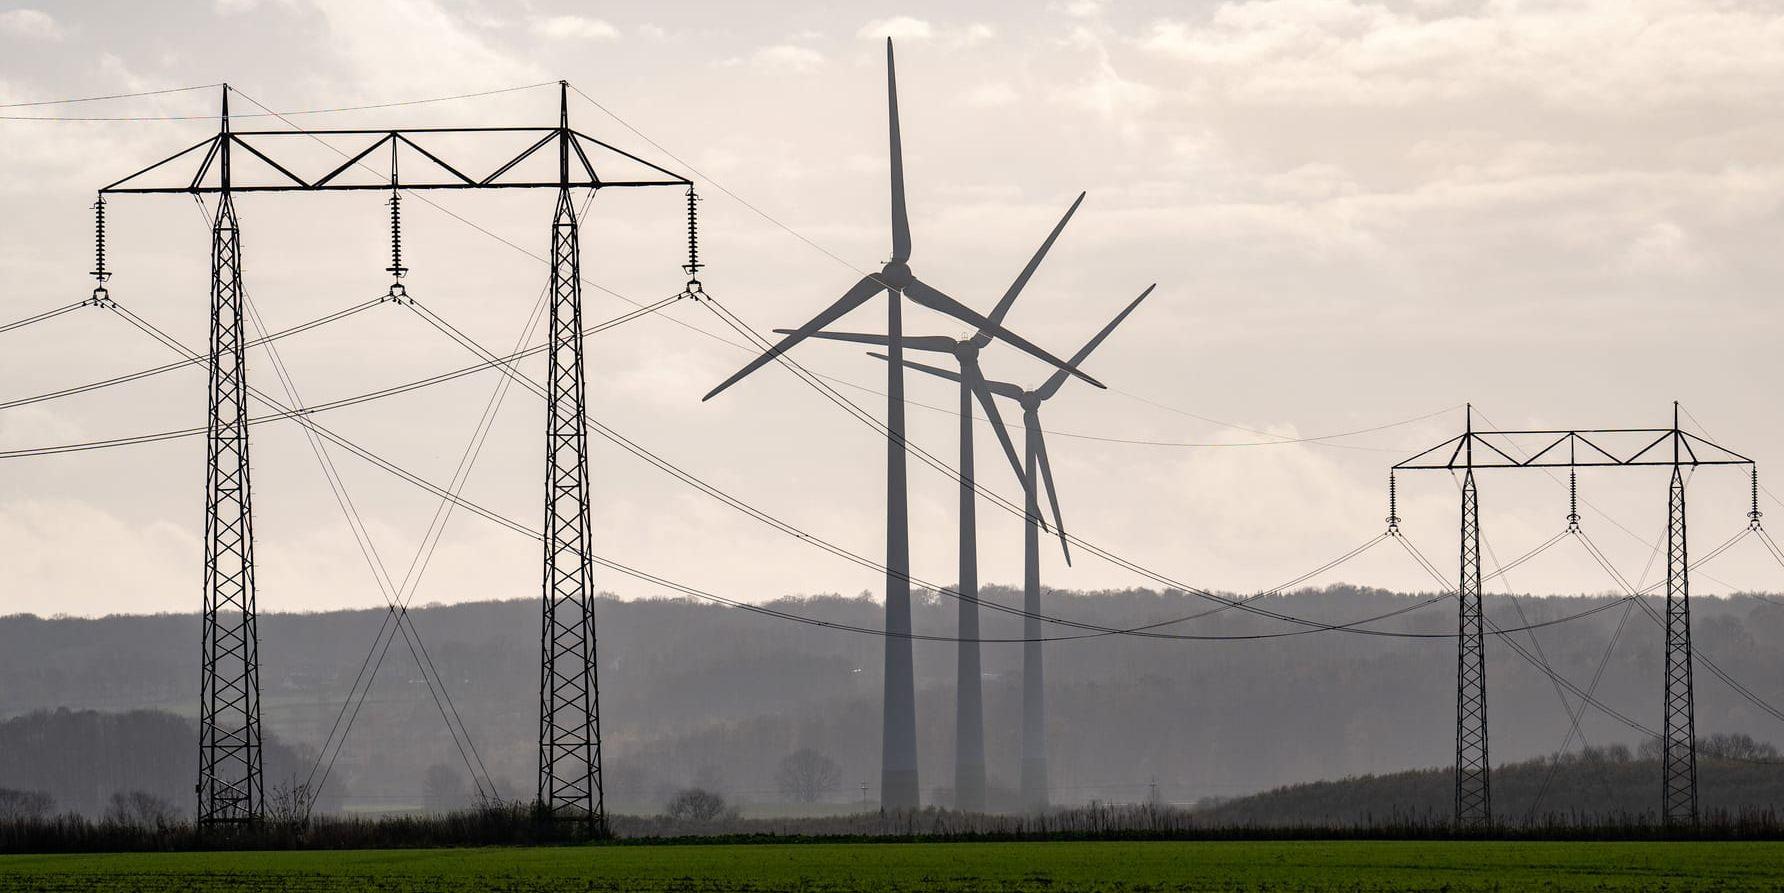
x,y
1393,506
100,274
693,266
396,269
1573,501
1755,514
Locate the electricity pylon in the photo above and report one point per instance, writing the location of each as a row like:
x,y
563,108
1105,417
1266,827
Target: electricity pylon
x,y
229,773
235,162
1672,448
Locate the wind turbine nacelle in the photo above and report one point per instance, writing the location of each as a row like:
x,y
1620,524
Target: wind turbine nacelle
x,y
896,273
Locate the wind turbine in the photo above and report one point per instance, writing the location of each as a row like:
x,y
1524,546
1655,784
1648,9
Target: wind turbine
x,y
1033,465
898,756
969,704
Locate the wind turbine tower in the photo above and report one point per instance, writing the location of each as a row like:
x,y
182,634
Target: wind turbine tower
x,y
969,703
1033,470
898,756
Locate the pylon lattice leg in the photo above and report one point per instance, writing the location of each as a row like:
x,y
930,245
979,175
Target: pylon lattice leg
x,y
569,698
229,770
1678,755
1474,802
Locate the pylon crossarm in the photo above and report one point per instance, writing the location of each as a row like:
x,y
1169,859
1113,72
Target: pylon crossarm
x,y
1587,449
433,168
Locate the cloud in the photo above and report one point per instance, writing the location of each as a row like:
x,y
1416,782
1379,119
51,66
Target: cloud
x,y
58,566
917,30
431,33
1105,91
1661,248
1587,55
237,7
1084,9
574,27
787,57
995,93
30,23
976,33
897,28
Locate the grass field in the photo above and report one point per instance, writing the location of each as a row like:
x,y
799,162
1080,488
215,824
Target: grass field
x,y
1058,866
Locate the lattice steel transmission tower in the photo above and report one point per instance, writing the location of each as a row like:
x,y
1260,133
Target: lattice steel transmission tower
x,y
569,696
1474,797
1678,741
229,774
229,785
1672,448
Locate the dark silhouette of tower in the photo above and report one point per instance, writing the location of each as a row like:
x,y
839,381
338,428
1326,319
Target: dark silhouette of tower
x,y
1033,470
969,709
898,743
229,772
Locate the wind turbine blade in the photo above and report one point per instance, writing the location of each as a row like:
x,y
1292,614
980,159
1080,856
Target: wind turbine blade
x,y
1053,383
901,221
928,296
948,374
855,297
1003,306
1040,444
981,390
857,337
932,343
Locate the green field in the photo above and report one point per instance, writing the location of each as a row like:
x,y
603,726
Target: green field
x,y
1060,866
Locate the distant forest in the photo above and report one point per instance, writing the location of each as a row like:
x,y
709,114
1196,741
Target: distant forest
x,y
697,694
1736,776
82,758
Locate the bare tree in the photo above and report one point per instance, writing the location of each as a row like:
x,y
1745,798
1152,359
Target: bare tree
x,y
289,803
805,775
443,789
698,805
139,808
1737,747
16,805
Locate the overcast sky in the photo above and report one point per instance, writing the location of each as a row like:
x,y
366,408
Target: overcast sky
x,y
1358,214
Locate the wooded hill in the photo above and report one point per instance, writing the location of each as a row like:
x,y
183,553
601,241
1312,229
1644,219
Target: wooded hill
x,y
698,693
1736,776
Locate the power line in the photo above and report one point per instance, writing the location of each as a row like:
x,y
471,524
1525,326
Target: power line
x,y
265,114
784,527
45,315
181,364
776,523
1093,630
303,413
108,96
290,413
